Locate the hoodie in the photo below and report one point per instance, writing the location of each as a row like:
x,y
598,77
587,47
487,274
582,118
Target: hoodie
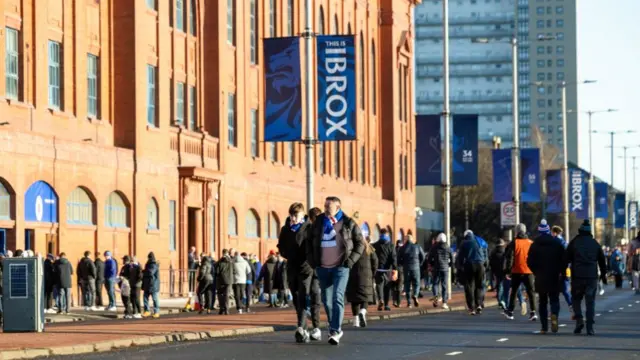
x,y
470,252
63,269
585,256
440,257
241,270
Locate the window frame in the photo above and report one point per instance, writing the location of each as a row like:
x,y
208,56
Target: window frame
x,y
179,23
12,57
152,96
55,75
254,133
193,108
93,81
253,32
110,209
234,233
179,115
231,22
152,206
231,120
79,212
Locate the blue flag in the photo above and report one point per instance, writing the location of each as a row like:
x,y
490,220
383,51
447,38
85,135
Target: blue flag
x,y
283,90
579,200
502,179
602,200
530,166
618,206
554,191
633,214
465,150
428,150
337,103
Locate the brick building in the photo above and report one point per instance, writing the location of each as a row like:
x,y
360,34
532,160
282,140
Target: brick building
x,y
136,125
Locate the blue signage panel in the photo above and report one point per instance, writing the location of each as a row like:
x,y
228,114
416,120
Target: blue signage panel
x,y
41,203
428,150
633,214
602,200
283,89
337,103
530,165
465,150
579,200
502,179
554,191
619,205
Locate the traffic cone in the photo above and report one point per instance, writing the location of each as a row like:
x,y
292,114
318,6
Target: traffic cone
x,y
187,306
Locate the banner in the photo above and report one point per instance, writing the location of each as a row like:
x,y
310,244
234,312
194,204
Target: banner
x,y
41,203
465,150
633,214
602,200
530,176
283,90
554,191
337,103
502,180
618,206
428,150
578,189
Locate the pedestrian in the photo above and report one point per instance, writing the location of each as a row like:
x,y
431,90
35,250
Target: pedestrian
x,y
133,273
49,284
64,271
618,266
110,274
224,279
440,260
360,285
205,282
125,288
565,282
151,285
87,278
192,267
398,282
241,270
99,264
337,244
585,256
546,261
632,253
266,276
280,281
293,242
411,257
251,279
518,271
387,269
484,248
471,262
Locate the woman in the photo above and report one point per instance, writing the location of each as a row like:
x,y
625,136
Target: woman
x,y
360,285
151,286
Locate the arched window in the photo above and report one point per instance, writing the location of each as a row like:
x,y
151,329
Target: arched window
x,y
365,229
252,224
232,223
336,27
374,81
375,234
274,226
362,74
115,211
152,214
5,203
321,21
79,208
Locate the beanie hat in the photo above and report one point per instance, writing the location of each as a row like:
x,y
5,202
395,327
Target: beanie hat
x,y
442,238
468,232
543,228
586,226
107,253
521,229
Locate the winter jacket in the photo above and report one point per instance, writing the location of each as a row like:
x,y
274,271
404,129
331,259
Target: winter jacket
x,y
585,256
99,270
360,285
241,270
386,254
267,272
280,276
618,264
516,255
546,261
484,247
86,270
411,257
49,275
293,247
224,271
470,252
631,251
440,257
110,269
496,261
204,273
133,273
351,235
151,276
251,278
63,270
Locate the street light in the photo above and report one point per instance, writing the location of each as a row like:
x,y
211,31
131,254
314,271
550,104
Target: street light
x,y
626,196
447,131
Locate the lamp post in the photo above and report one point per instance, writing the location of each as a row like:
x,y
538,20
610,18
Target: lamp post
x,y
309,140
626,191
447,132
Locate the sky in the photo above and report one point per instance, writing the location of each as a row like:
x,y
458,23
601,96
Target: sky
x,y
609,52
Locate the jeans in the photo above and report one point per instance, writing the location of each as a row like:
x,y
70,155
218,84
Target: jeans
x,y
383,287
248,295
504,288
56,295
88,291
156,303
546,299
126,302
584,288
135,300
566,285
333,283
64,298
303,287
440,283
109,284
411,278
98,297
474,277
636,280
516,281
238,293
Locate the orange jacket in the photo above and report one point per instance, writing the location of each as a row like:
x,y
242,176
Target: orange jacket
x,y
516,254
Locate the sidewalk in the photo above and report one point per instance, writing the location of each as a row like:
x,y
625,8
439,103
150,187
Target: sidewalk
x,y
96,336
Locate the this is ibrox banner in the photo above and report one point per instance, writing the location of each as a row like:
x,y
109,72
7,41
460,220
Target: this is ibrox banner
x,y
618,206
428,150
579,196
465,150
283,90
530,165
554,191
633,214
602,200
336,88
502,180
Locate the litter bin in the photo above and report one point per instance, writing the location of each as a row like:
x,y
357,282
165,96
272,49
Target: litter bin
x,y
23,300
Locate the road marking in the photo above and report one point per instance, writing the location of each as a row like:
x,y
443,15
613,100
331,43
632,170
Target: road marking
x,y
610,311
562,325
598,314
502,340
454,353
621,308
630,305
638,302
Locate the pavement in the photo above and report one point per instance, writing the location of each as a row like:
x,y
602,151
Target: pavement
x,y
443,336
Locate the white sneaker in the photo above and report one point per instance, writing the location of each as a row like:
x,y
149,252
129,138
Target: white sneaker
x,y
128,317
93,308
112,309
86,308
137,316
362,317
601,292
315,334
302,336
523,309
335,338
356,321
239,311
445,306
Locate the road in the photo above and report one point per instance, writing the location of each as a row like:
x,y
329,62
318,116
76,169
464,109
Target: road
x,y
441,336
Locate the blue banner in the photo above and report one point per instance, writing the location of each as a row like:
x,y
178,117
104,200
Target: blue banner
x,y
530,167
283,89
554,191
618,206
41,203
428,150
633,215
602,200
502,179
578,188
465,150
337,103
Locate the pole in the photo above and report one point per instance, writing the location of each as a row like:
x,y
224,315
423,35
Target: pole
x,y
309,140
516,130
626,198
447,135
466,207
565,166
592,202
612,202
633,164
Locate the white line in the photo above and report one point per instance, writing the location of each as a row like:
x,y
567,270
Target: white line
x,y
417,353
621,308
598,314
562,325
638,302
502,340
630,305
610,311
454,353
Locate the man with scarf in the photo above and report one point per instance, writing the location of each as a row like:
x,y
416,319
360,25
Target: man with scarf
x,y
387,268
337,244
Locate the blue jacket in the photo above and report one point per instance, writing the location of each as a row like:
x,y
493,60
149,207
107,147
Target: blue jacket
x,y
110,269
484,247
411,257
617,262
470,252
562,241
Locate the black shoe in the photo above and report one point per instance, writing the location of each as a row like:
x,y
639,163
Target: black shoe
x,y
591,332
479,310
579,327
386,308
380,306
415,302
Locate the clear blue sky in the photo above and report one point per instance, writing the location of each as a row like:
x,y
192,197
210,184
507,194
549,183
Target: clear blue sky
x,y
609,51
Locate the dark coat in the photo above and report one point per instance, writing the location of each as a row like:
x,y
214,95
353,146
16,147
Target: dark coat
x,y
351,235
470,252
386,254
204,273
49,275
133,273
63,270
360,285
546,261
440,257
585,255
411,257
293,247
496,261
86,269
266,274
99,270
151,276
224,271
280,276
1,274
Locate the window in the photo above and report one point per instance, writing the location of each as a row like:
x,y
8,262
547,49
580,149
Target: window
x,y
193,22
231,119
290,18
79,208
193,110
374,81
540,76
560,23
252,225
349,29
541,103
172,225
559,116
254,133
152,214
374,168
560,62
180,15
212,229
540,63
362,179
540,10
253,33
540,49
55,75
401,172
272,18
273,156
559,49
152,94
362,73
350,161
336,27
231,22
274,226
12,61
560,141
291,151
400,112
560,75
560,36
151,4
559,10
406,172
336,159
5,203
116,211
541,117
541,90
92,86
323,165
560,129
179,103
232,223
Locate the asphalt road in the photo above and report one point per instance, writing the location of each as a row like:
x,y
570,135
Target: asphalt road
x,y
441,336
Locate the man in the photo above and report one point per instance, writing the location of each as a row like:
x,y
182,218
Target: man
x,y
632,250
110,275
280,281
133,273
64,271
337,244
496,262
398,283
241,270
293,243
565,282
224,279
248,291
546,261
99,264
618,266
49,284
585,256
411,257
192,266
87,280
205,281
471,262
387,268
518,271
267,276
441,260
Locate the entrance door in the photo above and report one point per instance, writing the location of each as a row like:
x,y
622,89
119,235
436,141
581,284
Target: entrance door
x,y
192,227
52,244
29,239
3,241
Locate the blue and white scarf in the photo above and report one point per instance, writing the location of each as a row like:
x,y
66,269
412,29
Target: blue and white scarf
x,y
295,227
329,233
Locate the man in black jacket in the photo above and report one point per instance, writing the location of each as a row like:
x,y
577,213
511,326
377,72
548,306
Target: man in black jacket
x,y
99,281
63,270
387,265
441,261
585,256
87,280
411,257
224,279
496,263
49,284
